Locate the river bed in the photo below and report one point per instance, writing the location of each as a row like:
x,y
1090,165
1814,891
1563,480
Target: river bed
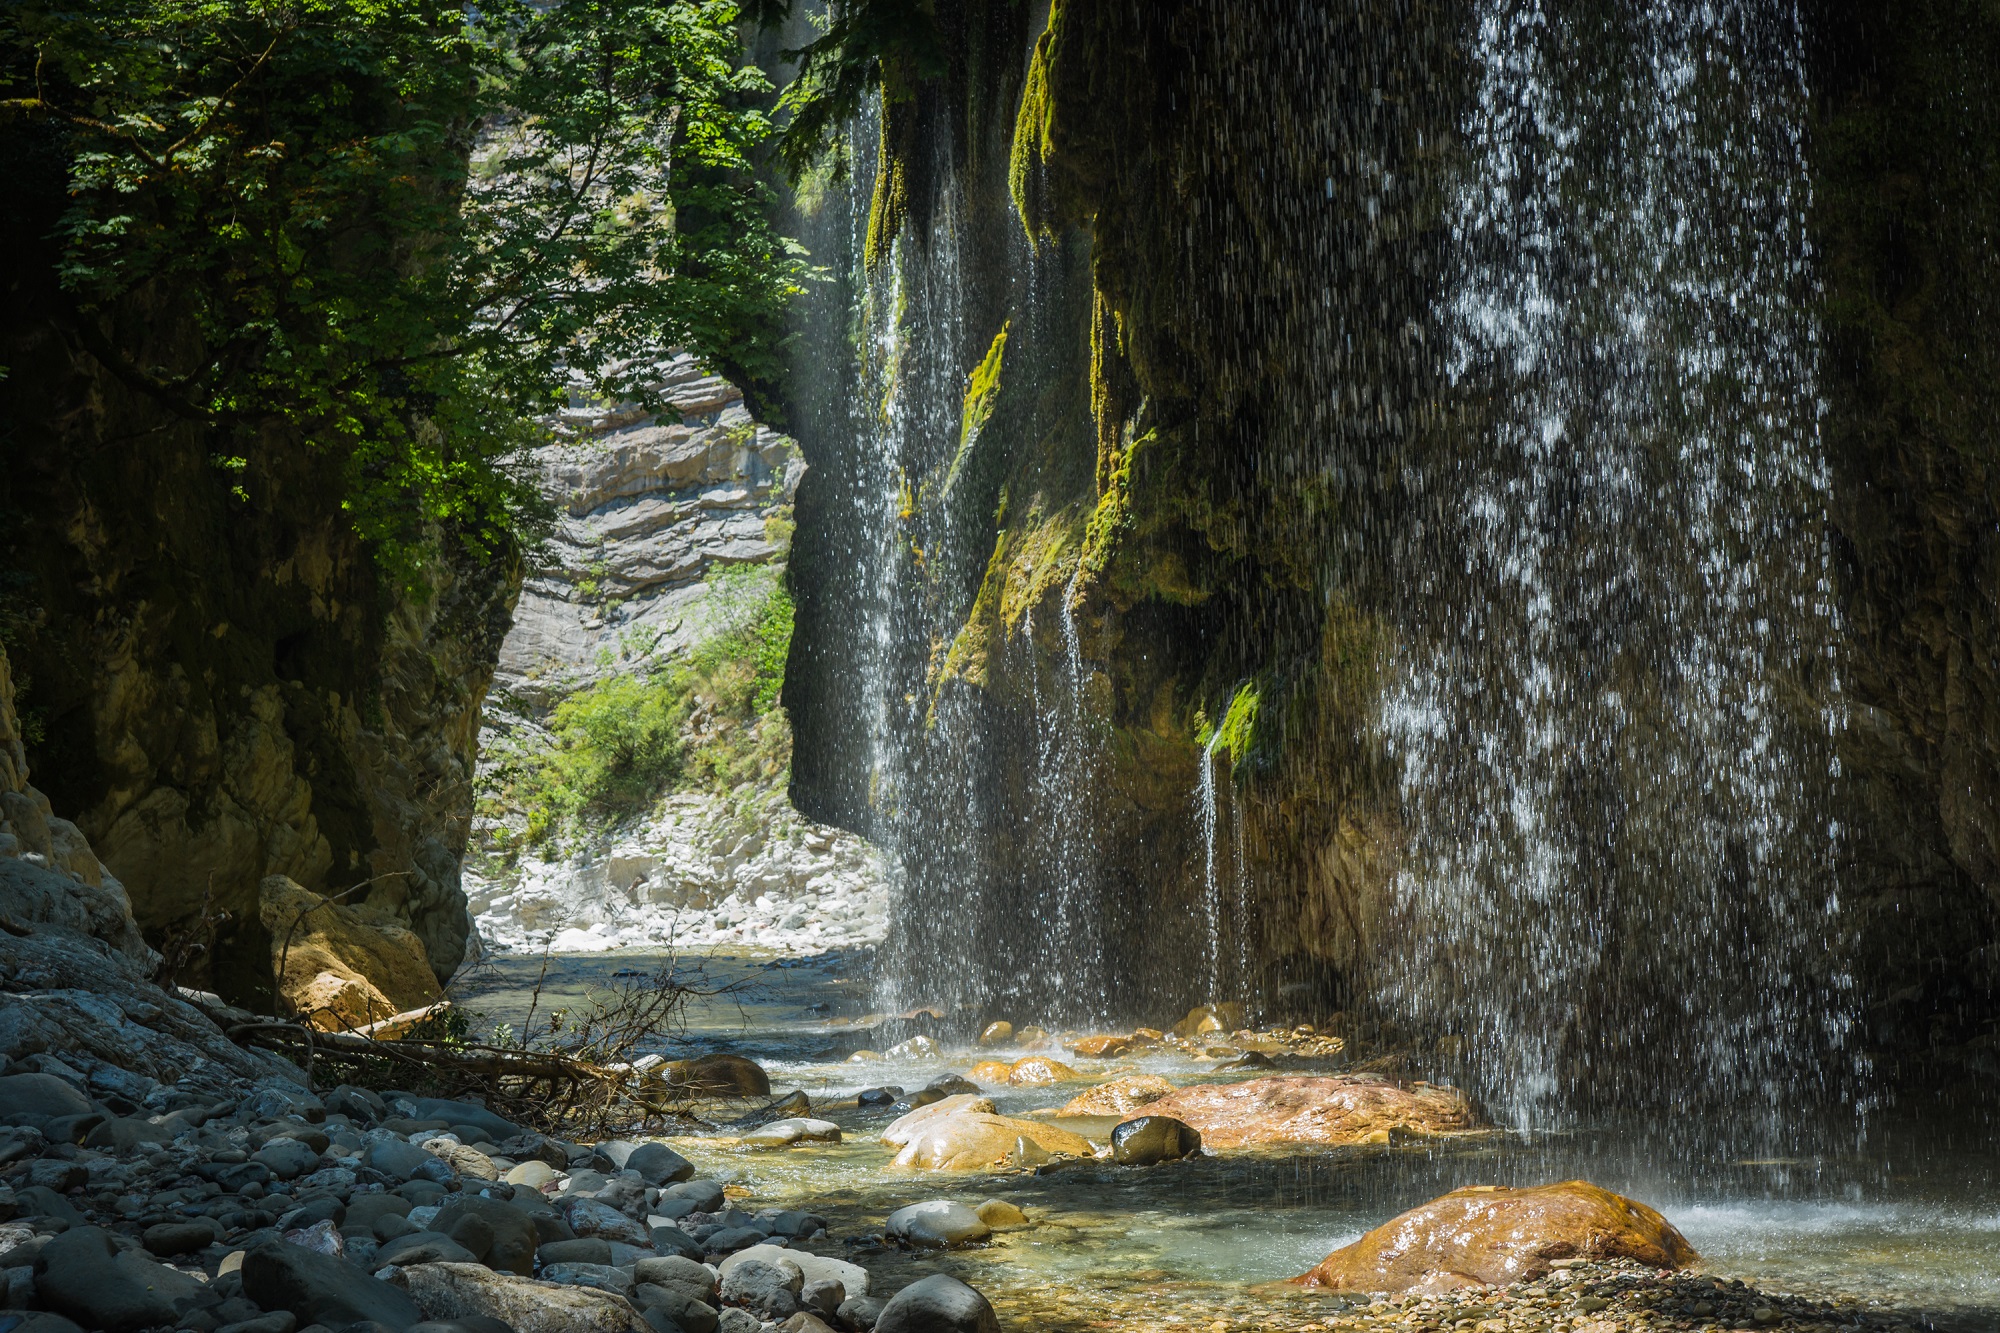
x,y
1903,1218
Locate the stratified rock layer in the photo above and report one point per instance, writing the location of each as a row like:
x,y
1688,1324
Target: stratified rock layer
x,y
1485,1235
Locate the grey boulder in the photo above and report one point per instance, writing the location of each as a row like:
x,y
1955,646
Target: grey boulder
x,y
938,1304
82,1276
320,1289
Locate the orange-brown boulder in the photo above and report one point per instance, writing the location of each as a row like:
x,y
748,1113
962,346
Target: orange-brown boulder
x,y
989,1073
1038,1071
1101,1048
1121,1096
1489,1236
1349,1108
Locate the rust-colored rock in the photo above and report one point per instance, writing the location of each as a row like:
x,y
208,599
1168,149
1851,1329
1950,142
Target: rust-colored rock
x,y
1121,1096
1487,1235
1101,1047
1334,1109
1038,1071
988,1073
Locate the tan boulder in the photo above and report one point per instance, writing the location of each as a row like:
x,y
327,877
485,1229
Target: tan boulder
x,y
983,1141
902,1130
989,1072
1335,1109
342,966
997,1034
1121,1096
1038,1071
1487,1235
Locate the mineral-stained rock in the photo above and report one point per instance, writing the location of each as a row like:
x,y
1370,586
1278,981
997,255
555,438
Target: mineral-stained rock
x,y
989,1073
1121,1096
980,1141
342,966
1337,1109
1103,1047
1151,1139
1488,1235
457,1291
1038,1071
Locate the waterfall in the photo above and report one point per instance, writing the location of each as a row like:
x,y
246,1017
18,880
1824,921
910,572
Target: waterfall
x,y
1211,897
1617,694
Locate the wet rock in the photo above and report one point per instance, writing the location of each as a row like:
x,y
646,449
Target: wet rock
x,y
657,1164
1206,1018
1038,1071
1491,1235
83,1276
980,1141
938,1304
1151,1139
1121,1096
997,1034
461,1291
1001,1215
320,1289
719,1076
900,1131
937,1224
989,1073
860,1312
765,1289
1103,1047
784,1133
791,1105
1335,1109
916,1048
878,1097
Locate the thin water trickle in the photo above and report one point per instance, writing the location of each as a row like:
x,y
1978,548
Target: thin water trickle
x,y
1211,898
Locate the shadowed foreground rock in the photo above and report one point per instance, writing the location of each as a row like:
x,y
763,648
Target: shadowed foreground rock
x,y
1486,1235
1341,1109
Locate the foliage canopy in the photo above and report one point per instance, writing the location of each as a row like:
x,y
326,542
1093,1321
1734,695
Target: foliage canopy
x,y
400,232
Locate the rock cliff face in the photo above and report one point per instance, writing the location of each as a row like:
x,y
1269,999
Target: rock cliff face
x,y
658,513
1175,276
213,677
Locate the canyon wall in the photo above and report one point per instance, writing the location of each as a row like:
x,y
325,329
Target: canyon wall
x,y
1191,443
214,678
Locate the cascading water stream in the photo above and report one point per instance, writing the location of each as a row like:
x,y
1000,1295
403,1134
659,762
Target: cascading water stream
x,y
1211,897
1616,694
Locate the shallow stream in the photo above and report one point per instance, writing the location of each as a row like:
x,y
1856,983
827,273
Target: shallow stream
x,y
1904,1217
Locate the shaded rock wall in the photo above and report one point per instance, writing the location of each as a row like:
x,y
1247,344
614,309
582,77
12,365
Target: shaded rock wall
x,y
213,678
1237,222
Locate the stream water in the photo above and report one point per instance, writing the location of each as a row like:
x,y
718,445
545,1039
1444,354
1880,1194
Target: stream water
x,y
1902,1215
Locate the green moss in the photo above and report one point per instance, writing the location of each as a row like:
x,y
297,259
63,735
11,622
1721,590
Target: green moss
x,y
1239,724
982,393
1032,144
890,205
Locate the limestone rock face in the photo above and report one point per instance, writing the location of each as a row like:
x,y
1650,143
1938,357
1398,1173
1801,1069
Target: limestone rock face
x,y
1339,1109
340,966
1485,1235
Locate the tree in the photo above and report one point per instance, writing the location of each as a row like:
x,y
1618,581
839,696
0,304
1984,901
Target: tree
x,y
402,231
